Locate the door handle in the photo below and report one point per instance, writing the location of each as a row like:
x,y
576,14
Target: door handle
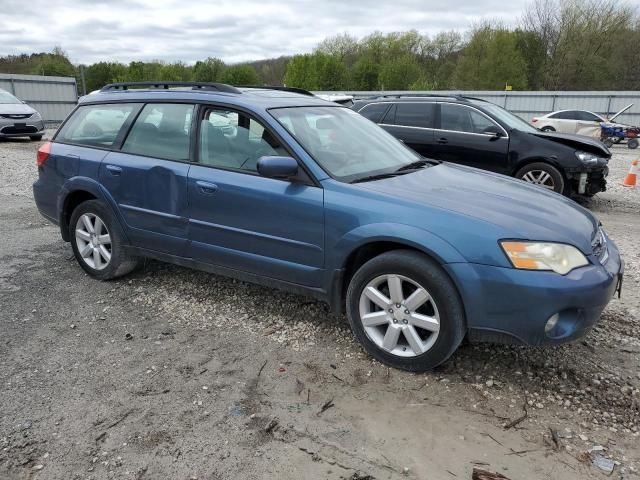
x,y
442,141
206,187
114,170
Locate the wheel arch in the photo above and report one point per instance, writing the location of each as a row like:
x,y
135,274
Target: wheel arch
x,y
356,253
77,190
529,160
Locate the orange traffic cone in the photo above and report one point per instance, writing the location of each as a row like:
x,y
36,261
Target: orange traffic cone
x,y
632,177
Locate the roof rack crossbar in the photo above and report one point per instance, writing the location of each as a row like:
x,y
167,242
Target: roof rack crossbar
x,y
301,91
220,87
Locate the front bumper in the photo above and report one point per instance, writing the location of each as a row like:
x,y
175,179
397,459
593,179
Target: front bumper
x,y
512,306
20,128
588,182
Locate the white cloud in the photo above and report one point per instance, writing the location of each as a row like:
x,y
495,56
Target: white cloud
x,y
125,30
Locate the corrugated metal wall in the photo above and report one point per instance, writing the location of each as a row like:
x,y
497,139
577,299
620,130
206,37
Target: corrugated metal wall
x,y
530,104
53,97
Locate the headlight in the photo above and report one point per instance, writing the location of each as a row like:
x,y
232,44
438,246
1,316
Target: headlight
x,y
558,257
587,158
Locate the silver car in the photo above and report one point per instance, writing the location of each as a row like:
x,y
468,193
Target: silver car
x,y
17,119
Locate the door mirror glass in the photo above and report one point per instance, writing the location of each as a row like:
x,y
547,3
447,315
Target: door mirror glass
x,y
277,167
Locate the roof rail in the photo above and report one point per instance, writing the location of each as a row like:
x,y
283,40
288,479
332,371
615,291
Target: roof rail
x,y
220,87
301,91
422,95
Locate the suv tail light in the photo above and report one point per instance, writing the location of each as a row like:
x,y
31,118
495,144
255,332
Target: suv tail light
x,y
534,120
43,154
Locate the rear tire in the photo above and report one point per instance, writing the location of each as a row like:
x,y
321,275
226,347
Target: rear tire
x,y
632,143
426,328
97,242
35,138
543,175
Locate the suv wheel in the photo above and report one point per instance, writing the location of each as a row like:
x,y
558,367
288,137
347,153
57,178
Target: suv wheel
x,y
405,311
542,174
97,243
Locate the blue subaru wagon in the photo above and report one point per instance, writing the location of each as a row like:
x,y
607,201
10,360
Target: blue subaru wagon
x,y
275,186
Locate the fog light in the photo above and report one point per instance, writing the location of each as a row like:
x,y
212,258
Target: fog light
x,y
582,183
551,323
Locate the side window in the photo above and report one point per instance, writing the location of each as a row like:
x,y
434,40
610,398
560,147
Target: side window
x,y
96,125
568,115
415,114
459,118
588,117
230,139
161,131
374,111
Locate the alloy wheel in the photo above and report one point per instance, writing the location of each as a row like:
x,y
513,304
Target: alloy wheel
x,y
399,315
93,241
539,177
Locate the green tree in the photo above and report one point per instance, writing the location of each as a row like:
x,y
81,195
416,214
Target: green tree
x,y
240,75
209,70
399,73
301,72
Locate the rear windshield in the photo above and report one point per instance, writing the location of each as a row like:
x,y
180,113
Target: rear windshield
x,y
96,125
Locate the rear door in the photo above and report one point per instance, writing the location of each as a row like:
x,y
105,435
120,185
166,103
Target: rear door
x,y
147,178
468,136
243,221
413,124
565,122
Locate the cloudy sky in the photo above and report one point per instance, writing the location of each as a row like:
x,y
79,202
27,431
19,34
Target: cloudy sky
x,y
238,30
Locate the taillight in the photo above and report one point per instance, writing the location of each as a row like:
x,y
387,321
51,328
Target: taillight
x,y
43,154
534,120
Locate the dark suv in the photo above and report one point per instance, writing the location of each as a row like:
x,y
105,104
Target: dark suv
x,y
291,191
481,134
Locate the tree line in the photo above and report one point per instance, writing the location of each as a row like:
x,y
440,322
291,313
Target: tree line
x,y
557,45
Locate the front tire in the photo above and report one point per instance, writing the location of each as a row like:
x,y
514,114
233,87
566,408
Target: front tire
x,y
35,138
97,242
543,175
405,311
548,129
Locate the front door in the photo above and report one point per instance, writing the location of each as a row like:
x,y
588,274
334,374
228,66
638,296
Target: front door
x,y
469,137
243,221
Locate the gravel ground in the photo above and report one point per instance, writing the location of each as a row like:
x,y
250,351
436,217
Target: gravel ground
x,y
180,374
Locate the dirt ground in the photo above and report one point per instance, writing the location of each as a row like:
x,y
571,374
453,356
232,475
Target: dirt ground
x,y
176,374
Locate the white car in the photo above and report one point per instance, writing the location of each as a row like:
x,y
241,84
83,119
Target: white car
x,y
581,122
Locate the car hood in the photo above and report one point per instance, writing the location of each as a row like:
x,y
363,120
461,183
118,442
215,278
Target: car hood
x,y
15,109
521,211
579,142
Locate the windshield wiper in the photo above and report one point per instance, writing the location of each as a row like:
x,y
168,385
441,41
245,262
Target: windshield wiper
x,y
423,162
379,176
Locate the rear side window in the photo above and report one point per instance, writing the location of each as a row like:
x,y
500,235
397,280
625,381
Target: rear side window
x,y
96,125
414,115
588,117
374,111
161,131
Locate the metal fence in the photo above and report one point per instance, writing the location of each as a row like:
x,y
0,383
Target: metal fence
x,y
53,97
531,104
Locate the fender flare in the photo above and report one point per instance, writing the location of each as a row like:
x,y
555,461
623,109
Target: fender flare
x,y
89,185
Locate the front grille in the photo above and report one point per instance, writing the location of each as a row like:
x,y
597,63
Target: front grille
x,y
16,130
15,116
599,246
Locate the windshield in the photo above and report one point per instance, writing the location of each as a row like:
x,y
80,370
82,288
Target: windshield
x,y
507,118
6,97
343,142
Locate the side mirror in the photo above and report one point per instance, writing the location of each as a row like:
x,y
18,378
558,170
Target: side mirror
x,y
277,167
493,130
